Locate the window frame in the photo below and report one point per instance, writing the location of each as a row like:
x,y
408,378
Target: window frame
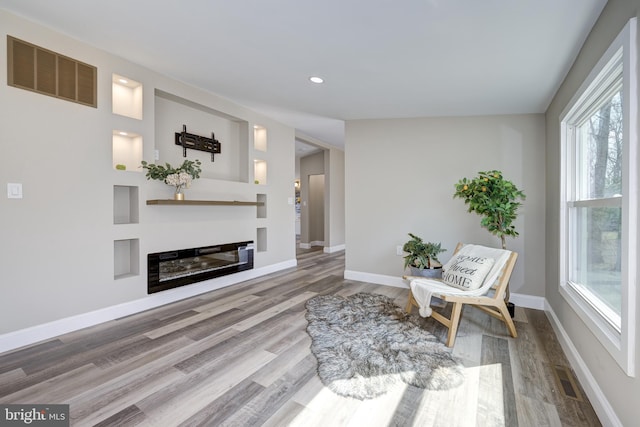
x,y
619,341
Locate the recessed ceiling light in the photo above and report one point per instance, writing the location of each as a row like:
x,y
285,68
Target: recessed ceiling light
x,y
123,81
124,133
316,79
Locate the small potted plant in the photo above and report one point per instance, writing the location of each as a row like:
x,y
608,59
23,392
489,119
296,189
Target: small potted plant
x,y
422,257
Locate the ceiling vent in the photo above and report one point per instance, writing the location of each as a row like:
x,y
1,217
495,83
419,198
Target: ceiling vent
x,y
40,70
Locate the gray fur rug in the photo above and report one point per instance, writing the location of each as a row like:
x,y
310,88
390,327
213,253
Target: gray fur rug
x,y
365,344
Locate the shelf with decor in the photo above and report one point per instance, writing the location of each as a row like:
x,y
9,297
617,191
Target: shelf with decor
x,y
202,202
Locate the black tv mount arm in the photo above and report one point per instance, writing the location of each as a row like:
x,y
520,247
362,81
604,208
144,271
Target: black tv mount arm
x,y
197,142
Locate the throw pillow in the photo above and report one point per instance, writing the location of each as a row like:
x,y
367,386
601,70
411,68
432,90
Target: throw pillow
x,y
466,272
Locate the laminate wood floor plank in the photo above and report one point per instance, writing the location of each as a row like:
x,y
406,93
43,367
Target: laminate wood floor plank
x,y
219,410
289,414
54,366
405,409
242,343
291,341
281,365
12,376
532,380
241,356
376,412
569,409
65,384
113,390
256,411
272,311
534,413
15,359
129,416
495,353
198,389
323,286
114,396
202,314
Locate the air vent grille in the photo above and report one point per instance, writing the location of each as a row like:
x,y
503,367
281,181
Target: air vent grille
x,y
40,70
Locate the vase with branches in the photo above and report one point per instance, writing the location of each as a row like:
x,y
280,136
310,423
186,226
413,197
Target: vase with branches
x,y
179,177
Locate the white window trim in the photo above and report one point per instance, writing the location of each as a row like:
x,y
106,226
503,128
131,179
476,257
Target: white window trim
x,y
620,343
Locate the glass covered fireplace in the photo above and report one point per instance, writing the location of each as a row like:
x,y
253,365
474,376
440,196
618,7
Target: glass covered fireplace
x,y
167,270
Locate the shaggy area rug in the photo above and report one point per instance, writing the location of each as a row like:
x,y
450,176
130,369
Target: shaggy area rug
x,y
366,344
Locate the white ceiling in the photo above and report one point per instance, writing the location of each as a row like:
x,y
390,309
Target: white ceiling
x,y
379,58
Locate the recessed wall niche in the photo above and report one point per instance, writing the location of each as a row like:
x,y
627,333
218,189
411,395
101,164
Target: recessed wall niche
x,y
126,258
127,151
125,204
260,171
262,205
261,239
126,97
260,138
173,112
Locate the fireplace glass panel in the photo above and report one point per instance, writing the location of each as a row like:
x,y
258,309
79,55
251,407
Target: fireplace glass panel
x,y
182,267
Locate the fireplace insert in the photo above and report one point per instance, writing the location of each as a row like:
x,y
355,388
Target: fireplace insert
x,y
167,270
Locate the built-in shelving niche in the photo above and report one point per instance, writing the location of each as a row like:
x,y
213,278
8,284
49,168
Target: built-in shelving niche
x,y
126,258
125,204
259,138
126,97
260,171
173,112
127,151
261,199
261,239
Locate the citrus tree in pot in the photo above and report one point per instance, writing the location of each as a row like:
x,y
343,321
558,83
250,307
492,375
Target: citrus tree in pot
x,y
422,257
495,199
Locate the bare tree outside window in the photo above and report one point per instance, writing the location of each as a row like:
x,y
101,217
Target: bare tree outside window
x,y
598,228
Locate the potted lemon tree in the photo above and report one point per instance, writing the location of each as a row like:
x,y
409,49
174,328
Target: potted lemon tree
x,y
495,199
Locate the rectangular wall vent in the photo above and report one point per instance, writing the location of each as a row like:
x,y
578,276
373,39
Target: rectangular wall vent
x,y
40,70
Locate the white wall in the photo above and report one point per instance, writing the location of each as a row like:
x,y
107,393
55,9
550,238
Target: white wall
x,y
316,208
334,221
57,243
400,176
309,166
612,391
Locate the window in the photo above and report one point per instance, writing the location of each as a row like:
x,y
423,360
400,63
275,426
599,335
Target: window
x,y
599,200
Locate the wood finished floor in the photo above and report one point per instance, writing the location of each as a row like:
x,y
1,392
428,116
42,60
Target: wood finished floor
x,y
240,356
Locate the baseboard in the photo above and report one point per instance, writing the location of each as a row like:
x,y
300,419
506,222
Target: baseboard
x,y
599,401
378,279
34,334
527,301
332,249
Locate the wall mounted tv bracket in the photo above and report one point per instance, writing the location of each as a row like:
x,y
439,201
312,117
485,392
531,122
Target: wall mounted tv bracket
x,y
197,142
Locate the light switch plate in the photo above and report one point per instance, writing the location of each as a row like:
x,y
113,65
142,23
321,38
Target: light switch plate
x,y
14,190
